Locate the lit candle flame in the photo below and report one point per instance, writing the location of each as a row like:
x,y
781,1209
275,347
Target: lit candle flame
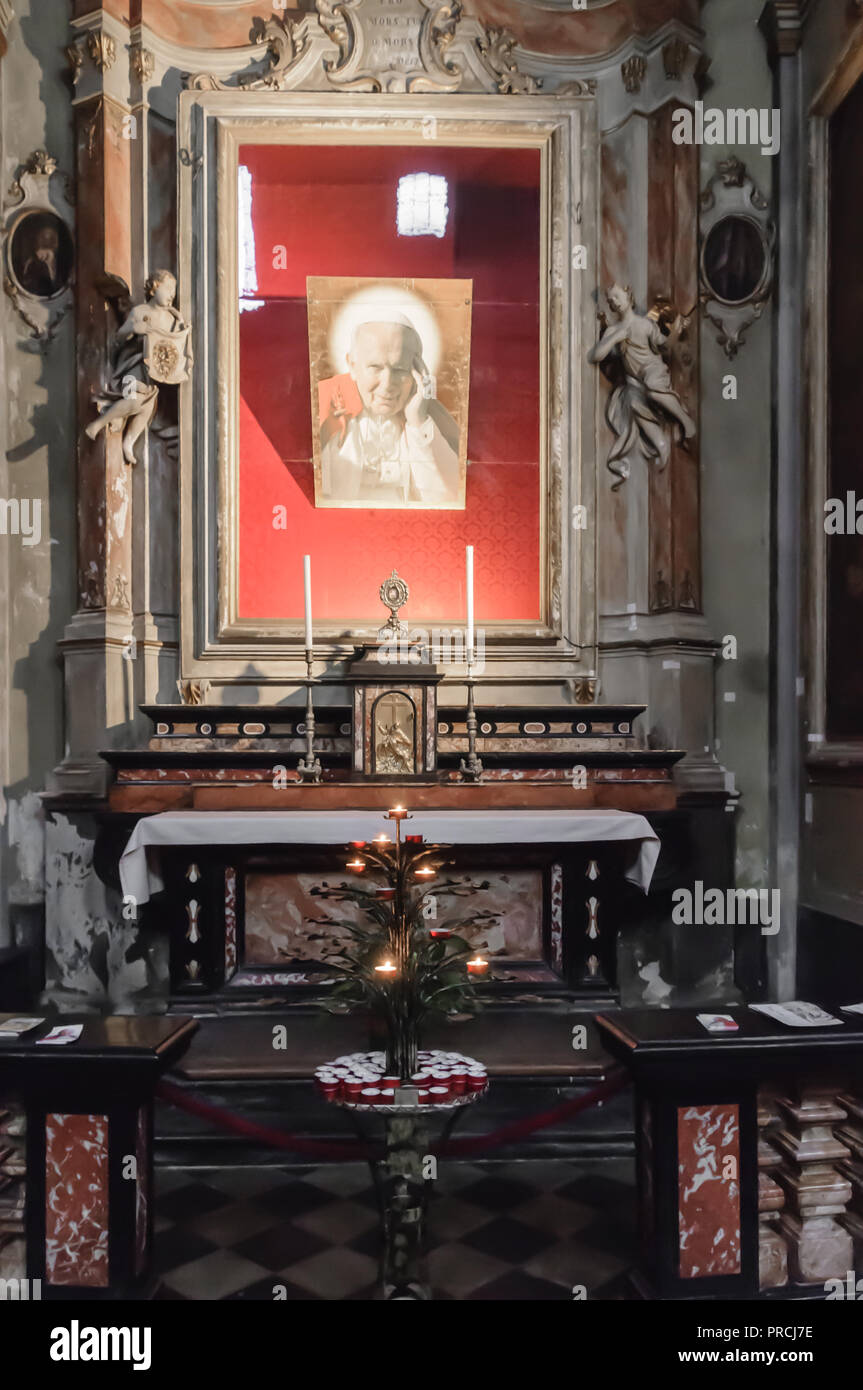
x,y
477,966
387,968
357,864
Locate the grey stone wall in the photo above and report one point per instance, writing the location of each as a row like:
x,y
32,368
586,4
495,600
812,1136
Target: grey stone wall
x,y
736,468
37,460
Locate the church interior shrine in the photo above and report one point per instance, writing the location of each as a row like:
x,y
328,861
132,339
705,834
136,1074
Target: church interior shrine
x,y
431,710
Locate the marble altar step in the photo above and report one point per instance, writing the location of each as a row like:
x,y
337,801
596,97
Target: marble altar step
x,y
510,1042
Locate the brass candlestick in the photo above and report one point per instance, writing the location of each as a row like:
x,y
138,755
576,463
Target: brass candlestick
x,y
309,767
471,767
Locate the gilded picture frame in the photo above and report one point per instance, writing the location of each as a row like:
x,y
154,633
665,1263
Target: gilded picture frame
x,y
216,642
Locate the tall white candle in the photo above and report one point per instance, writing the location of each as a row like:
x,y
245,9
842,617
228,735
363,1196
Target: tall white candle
x,y
307,584
469,558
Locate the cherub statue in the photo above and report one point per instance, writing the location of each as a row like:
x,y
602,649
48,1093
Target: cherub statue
x,y
154,348
642,398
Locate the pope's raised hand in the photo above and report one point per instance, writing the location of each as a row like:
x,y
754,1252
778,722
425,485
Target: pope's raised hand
x,y
416,410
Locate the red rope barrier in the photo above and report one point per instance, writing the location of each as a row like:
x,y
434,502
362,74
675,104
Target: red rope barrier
x,y
250,1129
281,1139
519,1128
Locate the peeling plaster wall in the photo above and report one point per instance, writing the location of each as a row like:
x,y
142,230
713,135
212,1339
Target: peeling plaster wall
x,y
37,459
89,957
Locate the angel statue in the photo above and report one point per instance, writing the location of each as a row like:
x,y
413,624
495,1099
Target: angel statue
x,y
154,350
642,399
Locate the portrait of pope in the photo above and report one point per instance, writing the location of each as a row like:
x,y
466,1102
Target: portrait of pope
x,y
385,437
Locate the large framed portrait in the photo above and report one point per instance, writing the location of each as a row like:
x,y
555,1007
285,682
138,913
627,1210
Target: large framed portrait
x,y
396,326
389,365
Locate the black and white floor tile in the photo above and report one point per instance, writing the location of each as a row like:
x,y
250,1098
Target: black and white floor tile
x,y
510,1231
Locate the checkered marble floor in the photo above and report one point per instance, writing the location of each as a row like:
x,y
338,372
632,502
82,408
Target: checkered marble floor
x,y
511,1231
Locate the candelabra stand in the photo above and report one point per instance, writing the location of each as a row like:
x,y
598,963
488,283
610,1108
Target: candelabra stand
x,y
309,766
471,767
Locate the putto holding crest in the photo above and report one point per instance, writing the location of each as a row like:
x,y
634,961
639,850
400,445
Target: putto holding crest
x,y
154,351
643,400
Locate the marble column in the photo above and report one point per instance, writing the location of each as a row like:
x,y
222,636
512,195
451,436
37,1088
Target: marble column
x,y
782,23
653,635
99,694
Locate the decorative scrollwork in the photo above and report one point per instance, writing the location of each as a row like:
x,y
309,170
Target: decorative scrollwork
x,y
283,50
193,692
102,49
283,47
368,46
40,163
75,58
633,72
674,56
142,64
496,47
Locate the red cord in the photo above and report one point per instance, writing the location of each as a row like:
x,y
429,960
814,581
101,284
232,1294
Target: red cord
x,y
280,1139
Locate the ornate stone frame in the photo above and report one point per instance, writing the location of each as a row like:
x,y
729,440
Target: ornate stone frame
x,y
731,192
38,187
213,119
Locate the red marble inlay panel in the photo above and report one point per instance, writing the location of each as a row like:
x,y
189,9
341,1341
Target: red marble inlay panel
x,y
76,1200
708,1185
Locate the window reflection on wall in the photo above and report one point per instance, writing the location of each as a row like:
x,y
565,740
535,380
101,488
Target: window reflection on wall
x,y
248,265
422,208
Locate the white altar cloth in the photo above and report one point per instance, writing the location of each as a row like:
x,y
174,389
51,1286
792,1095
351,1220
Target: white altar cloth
x,y
139,865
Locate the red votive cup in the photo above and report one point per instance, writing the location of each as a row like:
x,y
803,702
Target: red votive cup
x,y
476,1083
423,1096
388,1095
329,1089
358,844
392,1081
353,1089
438,1095
386,893
370,1095
413,839
440,933
421,1078
458,1080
